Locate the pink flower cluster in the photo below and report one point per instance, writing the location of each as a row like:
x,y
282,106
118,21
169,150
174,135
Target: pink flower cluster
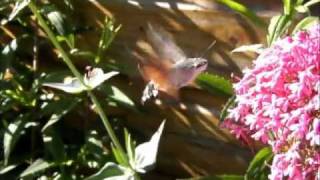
x,y
278,102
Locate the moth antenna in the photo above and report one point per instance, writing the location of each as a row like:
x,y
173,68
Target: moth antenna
x,y
208,48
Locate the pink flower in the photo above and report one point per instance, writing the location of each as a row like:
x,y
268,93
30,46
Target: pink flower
x,y
278,103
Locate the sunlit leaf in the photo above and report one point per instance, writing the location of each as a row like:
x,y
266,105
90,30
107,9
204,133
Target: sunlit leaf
x,y
258,168
56,19
302,9
115,94
278,25
112,171
257,48
12,134
59,109
146,153
214,84
311,3
108,33
18,7
305,23
287,6
37,166
8,168
7,55
130,146
244,11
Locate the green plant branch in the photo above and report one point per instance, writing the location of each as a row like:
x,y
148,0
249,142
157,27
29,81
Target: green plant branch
x,y
243,10
76,73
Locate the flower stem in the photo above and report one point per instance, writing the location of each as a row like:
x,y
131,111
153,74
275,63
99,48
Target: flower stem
x,y
76,73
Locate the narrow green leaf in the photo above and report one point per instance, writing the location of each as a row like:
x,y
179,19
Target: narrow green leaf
x,y
311,3
217,177
302,9
257,48
243,10
287,5
56,19
304,23
7,55
6,169
59,109
54,144
258,166
18,7
112,171
12,135
118,156
108,34
115,94
215,84
37,166
226,107
278,25
129,146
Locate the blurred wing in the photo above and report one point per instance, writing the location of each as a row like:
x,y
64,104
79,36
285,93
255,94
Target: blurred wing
x,y
163,44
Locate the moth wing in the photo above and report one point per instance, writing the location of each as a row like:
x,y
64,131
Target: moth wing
x,y
162,42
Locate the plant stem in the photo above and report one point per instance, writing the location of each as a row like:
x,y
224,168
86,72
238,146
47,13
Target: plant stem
x,y
76,73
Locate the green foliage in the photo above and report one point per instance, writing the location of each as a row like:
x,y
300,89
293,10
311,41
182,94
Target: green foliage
x,y
229,104
33,114
218,177
304,23
244,11
215,84
258,168
37,166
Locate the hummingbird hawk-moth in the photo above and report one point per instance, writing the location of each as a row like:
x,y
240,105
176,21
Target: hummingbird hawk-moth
x,y
172,69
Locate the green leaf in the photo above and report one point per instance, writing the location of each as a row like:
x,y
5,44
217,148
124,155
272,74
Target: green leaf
x,y
244,11
94,148
7,55
18,7
37,166
112,171
6,169
59,108
12,135
130,145
118,156
218,177
305,23
288,6
108,34
302,9
257,48
258,168
277,27
311,3
215,84
226,107
115,94
54,144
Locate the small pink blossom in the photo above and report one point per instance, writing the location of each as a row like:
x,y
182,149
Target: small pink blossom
x,y
278,103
